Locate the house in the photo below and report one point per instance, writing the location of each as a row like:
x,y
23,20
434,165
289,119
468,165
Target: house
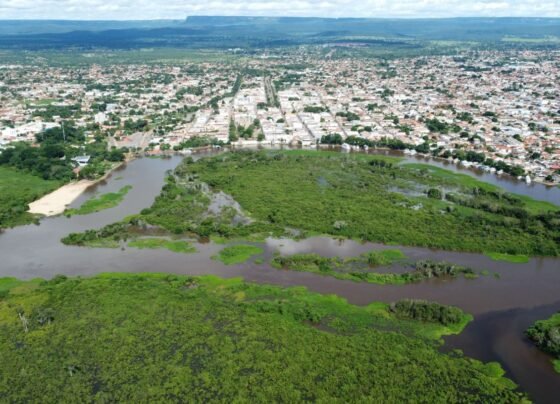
x,y
81,160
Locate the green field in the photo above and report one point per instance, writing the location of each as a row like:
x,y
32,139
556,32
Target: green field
x,y
350,196
514,259
102,202
17,190
525,40
178,246
237,254
153,338
78,57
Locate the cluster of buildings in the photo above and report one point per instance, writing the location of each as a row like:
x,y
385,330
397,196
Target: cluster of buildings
x,y
505,105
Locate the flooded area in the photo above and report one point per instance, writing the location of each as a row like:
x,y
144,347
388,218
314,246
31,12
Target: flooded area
x,y
534,190
504,302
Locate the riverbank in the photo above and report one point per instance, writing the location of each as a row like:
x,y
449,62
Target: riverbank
x,y
56,202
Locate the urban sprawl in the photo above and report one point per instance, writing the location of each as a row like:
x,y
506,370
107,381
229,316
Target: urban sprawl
x,y
497,111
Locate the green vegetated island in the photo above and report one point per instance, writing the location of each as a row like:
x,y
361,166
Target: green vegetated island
x,y
101,202
370,198
362,268
237,254
148,337
546,335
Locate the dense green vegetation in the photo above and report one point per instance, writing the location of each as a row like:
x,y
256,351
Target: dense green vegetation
x,y
546,335
334,194
147,337
363,197
47,161
355,268
102,202
362,268
237,254
422,310
53,159
178,246
198,141
17,190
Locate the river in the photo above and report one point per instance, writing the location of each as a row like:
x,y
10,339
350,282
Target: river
x,y
504,305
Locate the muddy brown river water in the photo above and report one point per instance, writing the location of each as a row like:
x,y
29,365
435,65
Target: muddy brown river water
x,y
503,306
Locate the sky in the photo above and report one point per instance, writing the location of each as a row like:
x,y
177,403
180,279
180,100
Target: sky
x,y
179,9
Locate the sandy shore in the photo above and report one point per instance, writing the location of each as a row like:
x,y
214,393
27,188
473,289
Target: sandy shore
x,y
56,202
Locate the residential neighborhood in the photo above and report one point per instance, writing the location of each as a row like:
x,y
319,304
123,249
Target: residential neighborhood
x,y
504,106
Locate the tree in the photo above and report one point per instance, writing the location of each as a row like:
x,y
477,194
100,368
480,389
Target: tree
x,y
232,132
435,193
333,138
116,155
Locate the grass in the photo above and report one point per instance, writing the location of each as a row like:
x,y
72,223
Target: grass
x,y
362,268
13,286
556,364
540,40
511,258
102,202
8,283
17,190
385,257
237,254
103,243
535,206
158,337
177,246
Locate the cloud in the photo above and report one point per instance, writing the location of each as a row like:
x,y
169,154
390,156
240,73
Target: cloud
x,y
179,9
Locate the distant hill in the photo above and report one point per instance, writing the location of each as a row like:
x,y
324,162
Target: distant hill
x,y
225,32
434,29
26,27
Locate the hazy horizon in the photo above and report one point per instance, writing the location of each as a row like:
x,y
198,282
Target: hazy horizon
x,y
128,10
278,16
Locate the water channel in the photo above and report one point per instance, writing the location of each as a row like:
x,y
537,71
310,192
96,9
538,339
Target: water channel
x,y
504,305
